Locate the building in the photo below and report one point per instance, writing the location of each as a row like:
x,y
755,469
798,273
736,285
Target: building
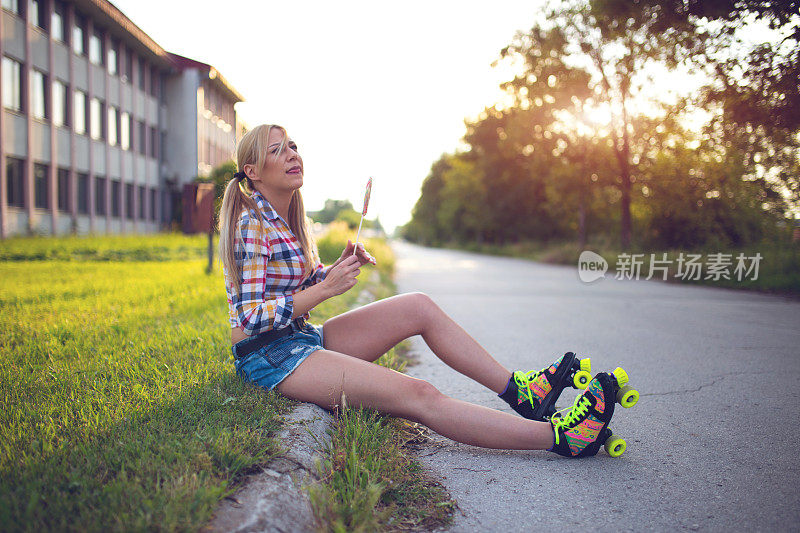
x,y
100,126
204,111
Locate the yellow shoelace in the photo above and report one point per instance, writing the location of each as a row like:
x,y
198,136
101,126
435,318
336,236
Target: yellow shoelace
x,y
523,380
579,408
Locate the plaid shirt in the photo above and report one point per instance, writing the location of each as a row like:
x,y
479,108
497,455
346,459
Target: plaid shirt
x,y
271,261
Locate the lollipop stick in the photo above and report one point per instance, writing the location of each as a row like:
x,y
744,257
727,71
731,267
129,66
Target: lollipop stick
x,y
363,213
355,246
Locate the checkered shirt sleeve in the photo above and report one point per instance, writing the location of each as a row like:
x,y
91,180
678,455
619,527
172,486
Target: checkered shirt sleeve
x,y
265,300
318,275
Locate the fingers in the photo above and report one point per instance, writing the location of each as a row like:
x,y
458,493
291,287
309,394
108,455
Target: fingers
x,y
363,255
348,264
349,261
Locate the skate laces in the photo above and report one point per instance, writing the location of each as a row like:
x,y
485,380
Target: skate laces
x,y
571,419
523,379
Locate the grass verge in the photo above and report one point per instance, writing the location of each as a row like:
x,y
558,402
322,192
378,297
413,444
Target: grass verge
x,y
368,482
121,410
778,269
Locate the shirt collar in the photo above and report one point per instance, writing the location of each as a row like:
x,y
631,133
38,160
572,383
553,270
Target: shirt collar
x,y
265,207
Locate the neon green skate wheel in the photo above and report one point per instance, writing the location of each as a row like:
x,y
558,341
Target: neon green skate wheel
x,y
581,379
622,377
615,446
627,396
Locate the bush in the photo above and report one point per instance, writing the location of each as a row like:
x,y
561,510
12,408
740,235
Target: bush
x,y
335,239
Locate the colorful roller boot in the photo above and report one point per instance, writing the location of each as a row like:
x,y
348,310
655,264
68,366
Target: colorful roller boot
x,y
534,394
579,431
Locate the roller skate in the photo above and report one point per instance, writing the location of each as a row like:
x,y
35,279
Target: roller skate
x,y
580,430
534,394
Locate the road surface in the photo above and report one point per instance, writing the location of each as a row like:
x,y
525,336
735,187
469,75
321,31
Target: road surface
x,y
712,443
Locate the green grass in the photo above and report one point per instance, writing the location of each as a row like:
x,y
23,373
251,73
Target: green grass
x,y
370,484
161,247
368,481
121,410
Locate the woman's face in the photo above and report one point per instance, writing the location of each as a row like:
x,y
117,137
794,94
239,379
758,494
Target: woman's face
x,y
284,170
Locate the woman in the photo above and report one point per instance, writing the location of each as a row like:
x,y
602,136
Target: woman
x,y
274,278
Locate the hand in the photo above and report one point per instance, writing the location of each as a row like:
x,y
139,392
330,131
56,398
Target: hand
x,y
342,275
364,257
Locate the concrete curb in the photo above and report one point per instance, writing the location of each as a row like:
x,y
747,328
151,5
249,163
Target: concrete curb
x,y
274,500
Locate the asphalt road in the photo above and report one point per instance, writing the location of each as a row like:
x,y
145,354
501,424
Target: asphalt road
x,y
712,443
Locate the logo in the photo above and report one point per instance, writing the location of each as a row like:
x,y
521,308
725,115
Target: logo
x,y
591,266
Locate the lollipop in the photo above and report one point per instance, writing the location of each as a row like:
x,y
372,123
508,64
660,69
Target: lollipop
x,y
363,212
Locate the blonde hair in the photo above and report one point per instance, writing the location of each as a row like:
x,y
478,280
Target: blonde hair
x,y
252,150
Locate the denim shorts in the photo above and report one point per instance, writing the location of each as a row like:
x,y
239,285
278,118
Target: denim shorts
x,y
269,365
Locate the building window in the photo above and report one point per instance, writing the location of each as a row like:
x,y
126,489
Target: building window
x,y
57,22
125,131
154,82
83,193
59,103
99,195
142,137
129,200
12,85
141,73
154,142
96,119
112,125
115,190
128,66
113,58
141,202
79,112
11,5
37,15
153,199
41,191
96,48
78,45
63,189
15,191
38,83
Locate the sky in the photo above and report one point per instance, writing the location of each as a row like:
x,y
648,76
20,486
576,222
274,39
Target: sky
x,y
366,89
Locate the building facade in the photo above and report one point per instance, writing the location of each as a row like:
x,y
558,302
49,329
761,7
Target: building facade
x,y
100,126
204,114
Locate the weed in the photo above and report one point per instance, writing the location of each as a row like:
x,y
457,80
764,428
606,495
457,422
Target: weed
x,y
367,481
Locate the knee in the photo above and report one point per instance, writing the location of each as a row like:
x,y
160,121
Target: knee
x,y
422,392
421,304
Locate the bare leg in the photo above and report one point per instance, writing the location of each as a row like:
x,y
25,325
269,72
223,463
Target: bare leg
x,y
370,331
323,377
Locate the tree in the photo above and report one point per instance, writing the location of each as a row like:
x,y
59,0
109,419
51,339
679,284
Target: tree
x,y
585,57
219,176
753,90
424,225
331,210
546,163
